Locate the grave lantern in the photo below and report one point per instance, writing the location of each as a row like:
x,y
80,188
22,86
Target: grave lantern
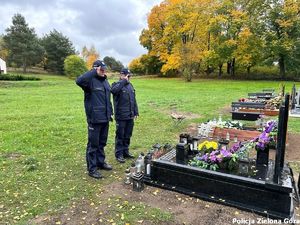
x,y
181,152
156,147
183,138
148,164
195,143
127,176
243,166
137,182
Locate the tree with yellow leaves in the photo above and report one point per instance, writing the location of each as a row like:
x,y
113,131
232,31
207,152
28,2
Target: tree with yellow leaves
x,y
89,55
201,35
3,49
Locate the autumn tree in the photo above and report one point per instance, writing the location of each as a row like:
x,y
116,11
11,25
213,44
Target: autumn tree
x,y
175,34
282,32
136,66
3,49
201,35
153,38
84,53
248,53
92,56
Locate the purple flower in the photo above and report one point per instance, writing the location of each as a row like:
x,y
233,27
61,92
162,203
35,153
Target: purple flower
x,y
198,157
260,145
270,126
264,137
225,153
263,140
204,158
213,158
235,147
214,152
219,158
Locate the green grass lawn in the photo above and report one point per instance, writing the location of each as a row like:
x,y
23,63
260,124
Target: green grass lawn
x,y
43,135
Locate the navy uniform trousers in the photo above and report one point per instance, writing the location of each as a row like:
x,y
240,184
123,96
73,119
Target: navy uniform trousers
x,y
97,137
123,134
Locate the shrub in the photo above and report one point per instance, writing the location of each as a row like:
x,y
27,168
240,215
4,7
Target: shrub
x,y
74,66
16,77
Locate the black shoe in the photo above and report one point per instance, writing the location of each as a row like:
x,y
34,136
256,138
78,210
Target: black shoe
x,y
120,159
105,166
95,174
129,156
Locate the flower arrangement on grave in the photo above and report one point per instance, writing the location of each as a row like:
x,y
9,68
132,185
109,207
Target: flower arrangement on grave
x,y
274,103
252,100
213,160
230,124
208,146
227,158
267,137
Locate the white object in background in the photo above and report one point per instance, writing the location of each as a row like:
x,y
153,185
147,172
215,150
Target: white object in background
x,y
3,66
227,136
220,119
195,145
148,171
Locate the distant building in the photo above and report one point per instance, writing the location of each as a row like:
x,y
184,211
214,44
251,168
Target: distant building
x,y
2,66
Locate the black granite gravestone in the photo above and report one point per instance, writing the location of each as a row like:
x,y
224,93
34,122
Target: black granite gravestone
x,y
270,192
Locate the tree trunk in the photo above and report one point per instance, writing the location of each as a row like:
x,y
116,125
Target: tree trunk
x,y
24,68
24,65
208,41
281,66
220,70
207,70
189,75
228,67
248,70
232,72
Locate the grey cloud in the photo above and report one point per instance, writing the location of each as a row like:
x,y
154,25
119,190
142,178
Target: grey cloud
x,y
113,26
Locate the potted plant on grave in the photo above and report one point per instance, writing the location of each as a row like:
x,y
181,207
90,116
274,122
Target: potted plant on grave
x,y
262,143
224,159
208,146
227,159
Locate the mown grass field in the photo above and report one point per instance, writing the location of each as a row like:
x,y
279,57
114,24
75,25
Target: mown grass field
x,y
43,137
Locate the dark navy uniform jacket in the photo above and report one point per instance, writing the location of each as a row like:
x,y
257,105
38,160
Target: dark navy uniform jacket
x,y
97,102
124,100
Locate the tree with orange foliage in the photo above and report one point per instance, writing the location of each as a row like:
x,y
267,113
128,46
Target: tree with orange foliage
x,y
201,35
89,55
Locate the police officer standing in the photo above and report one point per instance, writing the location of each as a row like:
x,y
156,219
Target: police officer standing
x,y
126,110
98,109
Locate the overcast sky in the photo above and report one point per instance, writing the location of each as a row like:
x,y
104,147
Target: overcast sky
x,y
113,26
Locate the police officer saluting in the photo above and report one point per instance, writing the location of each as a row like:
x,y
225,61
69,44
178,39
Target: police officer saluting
x,y
126,110
98,109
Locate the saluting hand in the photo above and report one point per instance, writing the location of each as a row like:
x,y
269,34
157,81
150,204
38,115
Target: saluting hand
x,y
126,77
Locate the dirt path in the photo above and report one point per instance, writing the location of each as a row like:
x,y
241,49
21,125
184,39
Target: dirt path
x,y
185,209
